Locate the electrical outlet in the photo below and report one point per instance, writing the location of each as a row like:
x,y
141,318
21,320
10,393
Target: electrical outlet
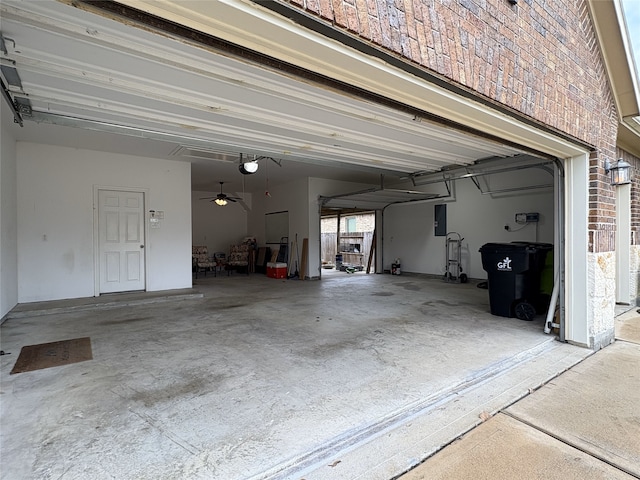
x,y
521,218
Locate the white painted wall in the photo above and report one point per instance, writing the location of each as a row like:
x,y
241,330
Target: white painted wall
x,y
292,197
408,229
55,188
8,223
300,199
215,226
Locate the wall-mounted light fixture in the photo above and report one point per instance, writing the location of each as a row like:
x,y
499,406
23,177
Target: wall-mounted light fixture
x,y
220,201
620,172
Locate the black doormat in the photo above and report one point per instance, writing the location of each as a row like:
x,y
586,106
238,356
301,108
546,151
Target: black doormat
x,y
54,354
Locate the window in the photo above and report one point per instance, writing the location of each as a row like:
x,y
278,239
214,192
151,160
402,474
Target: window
x,y
351,224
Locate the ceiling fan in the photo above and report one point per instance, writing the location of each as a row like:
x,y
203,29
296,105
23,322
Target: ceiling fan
x,y
222,198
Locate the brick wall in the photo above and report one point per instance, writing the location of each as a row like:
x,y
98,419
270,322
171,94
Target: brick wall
x,y
538,58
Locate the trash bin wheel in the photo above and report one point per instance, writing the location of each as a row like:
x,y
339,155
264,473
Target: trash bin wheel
x,y
525,311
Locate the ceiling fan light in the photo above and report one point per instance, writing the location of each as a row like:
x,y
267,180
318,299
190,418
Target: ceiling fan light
x,y
248,168
220,201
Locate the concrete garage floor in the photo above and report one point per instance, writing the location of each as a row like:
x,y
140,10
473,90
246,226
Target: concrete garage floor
x,y
255,378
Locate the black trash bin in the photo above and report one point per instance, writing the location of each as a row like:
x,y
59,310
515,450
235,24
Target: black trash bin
x,y
514,271
541,253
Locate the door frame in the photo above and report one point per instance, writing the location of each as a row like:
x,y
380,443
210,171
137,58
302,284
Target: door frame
x,y
96,232
340,214
578,315
624,295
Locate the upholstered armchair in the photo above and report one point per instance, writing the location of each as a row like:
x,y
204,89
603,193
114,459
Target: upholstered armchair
x,y
200,260
238,258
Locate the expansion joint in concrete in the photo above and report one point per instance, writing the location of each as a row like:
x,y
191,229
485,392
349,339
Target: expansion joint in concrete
x,y
571,444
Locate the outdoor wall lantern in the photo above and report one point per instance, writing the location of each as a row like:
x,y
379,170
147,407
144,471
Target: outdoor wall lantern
x,y
620,172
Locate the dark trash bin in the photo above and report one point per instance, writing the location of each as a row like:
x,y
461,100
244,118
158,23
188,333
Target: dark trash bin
x,y
514,270
542,267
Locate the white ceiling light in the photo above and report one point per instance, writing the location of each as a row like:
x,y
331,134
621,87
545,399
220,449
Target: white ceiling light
x,y
247,168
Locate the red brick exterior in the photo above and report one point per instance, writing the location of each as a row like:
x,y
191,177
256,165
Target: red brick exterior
x,y
540,59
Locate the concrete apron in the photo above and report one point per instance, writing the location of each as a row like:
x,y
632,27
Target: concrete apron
x,y
628,326
348,377
583,424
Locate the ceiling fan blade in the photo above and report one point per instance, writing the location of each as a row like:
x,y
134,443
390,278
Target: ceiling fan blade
x,y
206,198
231,199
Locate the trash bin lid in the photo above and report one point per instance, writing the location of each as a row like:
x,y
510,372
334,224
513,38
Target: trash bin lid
x,y
504,247
537,245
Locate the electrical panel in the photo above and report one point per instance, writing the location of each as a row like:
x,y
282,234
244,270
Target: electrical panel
x,y
522,218
440,220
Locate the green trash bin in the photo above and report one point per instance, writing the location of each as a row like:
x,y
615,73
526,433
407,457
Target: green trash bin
x,y
546,277
543,264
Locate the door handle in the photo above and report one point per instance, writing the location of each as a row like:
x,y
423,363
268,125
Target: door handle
x,y
141,246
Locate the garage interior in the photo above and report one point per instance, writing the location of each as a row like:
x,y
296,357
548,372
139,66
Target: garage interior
x,y
246,376
348,377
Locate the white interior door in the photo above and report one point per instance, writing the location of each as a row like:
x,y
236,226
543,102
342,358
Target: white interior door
x,y
121,241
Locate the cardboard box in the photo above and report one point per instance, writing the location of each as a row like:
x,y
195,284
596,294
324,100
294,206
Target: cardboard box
x,y
276,270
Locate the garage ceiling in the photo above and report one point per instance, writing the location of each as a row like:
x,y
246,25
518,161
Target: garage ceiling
x,y
96,82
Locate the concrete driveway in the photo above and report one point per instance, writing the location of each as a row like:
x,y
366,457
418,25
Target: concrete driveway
x,y
583,424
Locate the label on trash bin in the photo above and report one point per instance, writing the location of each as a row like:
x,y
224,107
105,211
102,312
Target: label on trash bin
x,y
504,265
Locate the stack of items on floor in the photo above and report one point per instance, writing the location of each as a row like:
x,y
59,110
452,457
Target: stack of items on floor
x,y
277,267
